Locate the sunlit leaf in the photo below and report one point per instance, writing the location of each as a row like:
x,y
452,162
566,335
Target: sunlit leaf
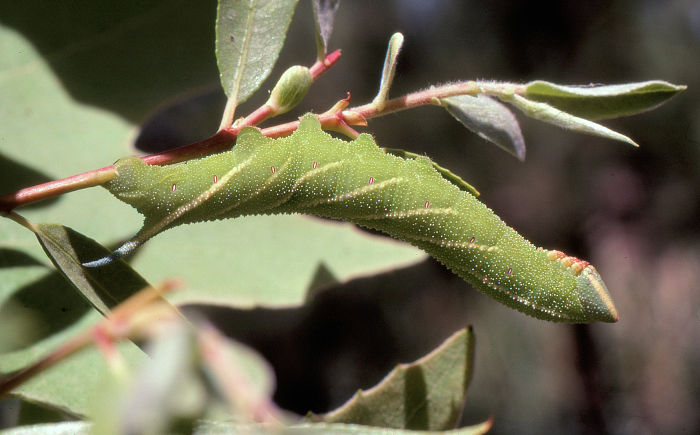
x,y
602,102
249,37
546,113
71,385
86,45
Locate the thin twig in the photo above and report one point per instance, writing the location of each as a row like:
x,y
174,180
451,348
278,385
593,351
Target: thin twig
x,y
224,139
221,141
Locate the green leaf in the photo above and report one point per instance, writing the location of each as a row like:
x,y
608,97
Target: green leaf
x,y
266,260
70,386
38,309
489,119
100,58
34,413
546,113
228,428
249,37
392,52
104,288
603,102
70,98
324,11
45,130
15,176
425,395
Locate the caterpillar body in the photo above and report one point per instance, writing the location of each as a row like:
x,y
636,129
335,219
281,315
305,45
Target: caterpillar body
x,y
313,173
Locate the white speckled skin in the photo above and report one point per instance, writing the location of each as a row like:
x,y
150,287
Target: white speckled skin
x,y
311,172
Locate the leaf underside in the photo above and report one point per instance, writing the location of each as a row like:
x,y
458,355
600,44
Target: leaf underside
x,y
324,11
249,37
105,288
489,119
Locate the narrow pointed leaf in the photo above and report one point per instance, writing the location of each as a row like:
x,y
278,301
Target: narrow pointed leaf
x,y
392,52
324,11
249,37
103,288
545,112
603,102
425,395
489,119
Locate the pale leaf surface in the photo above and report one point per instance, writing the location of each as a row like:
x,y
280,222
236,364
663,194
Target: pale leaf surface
x,y
602,102
249,37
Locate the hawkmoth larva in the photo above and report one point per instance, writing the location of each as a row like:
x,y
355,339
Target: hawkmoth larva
x,y
313,173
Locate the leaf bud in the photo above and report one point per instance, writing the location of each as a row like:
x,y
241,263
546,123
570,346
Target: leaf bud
x,y
290,89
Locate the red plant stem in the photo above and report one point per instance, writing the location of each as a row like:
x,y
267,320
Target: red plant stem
x,y
221,141
73,346
320,67
428,96
122,322
359,115
55,188
224,139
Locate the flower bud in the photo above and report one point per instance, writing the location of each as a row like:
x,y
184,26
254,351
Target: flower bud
x,y
290,89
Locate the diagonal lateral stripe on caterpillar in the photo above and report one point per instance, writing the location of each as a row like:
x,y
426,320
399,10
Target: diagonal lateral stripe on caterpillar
x,y
313,173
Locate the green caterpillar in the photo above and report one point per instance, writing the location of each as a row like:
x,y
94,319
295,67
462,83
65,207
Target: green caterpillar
x,y
311,172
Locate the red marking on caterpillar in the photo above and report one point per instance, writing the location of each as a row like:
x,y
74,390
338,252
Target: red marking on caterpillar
x,y
568,261
272,168
472,240
174,188
371,180
216,178
315,164
427,204
510,270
